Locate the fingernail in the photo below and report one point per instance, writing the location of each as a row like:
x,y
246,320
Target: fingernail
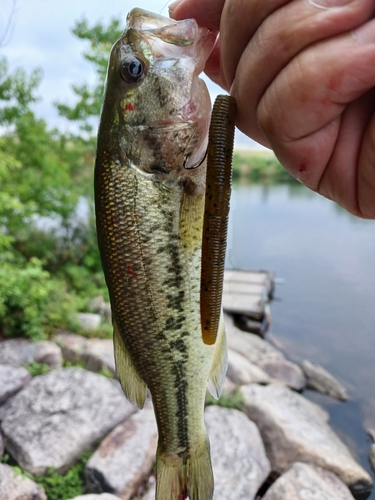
x,y
172,7
329,4
366,33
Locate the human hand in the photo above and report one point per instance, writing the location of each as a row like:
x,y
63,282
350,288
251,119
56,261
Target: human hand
x,y
303,75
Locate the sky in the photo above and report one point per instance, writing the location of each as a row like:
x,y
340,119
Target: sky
x,y
37,34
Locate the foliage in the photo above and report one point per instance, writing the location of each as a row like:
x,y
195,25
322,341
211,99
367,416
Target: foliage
x,y
50,264
35,369
101,38
57,486
31,302
228,399
258,166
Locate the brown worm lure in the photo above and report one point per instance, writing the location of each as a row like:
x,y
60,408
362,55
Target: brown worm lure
x,y
216,212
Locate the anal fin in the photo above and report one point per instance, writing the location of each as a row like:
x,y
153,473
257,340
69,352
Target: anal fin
x,y
132,384
219,362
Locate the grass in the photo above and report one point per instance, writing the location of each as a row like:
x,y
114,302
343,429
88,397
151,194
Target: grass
x,y
57,486
229,399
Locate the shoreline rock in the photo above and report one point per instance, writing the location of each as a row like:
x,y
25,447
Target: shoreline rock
x,y
60,415
95,353
12,380
293,430
318,379
21,352
124,459
307,482
14,486
238,456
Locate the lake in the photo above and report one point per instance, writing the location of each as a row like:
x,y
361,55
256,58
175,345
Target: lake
x,y
325,309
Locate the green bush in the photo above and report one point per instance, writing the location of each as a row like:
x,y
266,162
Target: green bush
x,y
31,302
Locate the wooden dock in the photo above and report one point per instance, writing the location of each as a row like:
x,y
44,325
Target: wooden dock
x,y
246,295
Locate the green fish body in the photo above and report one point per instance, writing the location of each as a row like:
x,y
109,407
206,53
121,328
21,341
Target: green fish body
x,y
149,194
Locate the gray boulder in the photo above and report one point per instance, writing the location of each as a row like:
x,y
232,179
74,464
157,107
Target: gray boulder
x,y
286,372
306,482
1,445
318,379
95,353
267,357
294,430
238,457
12,379
242,372
124,460
372,457
21,352
60,415
12,351
89,321
14,486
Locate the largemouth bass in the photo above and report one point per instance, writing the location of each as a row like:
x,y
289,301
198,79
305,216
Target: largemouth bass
x,y
149,193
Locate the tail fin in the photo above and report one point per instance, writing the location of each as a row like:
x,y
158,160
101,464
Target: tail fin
x,y
179,478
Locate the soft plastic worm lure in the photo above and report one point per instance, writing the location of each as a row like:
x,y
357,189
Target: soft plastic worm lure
x,y
216,212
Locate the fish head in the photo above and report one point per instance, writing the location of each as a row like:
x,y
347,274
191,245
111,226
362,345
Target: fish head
x,y
156,107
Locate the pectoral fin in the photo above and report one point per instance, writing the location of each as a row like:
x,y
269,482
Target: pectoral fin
x,y
132,384
220,362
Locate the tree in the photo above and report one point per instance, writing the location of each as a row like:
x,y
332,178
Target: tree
x,y
101,39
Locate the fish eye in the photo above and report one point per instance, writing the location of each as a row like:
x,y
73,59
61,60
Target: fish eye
x,y
133,69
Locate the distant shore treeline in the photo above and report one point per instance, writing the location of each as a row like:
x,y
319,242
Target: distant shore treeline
x,y
258,166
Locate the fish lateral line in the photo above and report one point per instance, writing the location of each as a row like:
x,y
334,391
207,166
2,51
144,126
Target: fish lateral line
x,y
216,213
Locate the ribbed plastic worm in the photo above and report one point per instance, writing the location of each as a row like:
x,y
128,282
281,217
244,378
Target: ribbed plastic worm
x,y
216,212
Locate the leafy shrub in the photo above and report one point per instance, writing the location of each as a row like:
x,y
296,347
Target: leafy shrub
x,y
31,302
35,368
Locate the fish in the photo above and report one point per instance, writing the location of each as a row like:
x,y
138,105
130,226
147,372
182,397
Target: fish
x,y
150,191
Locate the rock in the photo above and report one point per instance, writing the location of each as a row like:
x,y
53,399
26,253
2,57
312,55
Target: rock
x,y
372,457
18,352
12,379
262,354
306,482
89,321
255,349
60,415
98,305
150,495
371,433
95,353
125,458
286,372
14,486
93,496
294,429
45,352
318,379
241,371
11,351
1,445
238,457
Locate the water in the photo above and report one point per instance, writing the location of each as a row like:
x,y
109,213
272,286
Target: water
x,y
325,310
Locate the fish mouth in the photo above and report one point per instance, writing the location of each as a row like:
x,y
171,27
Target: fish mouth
x,y
185,33
172,42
